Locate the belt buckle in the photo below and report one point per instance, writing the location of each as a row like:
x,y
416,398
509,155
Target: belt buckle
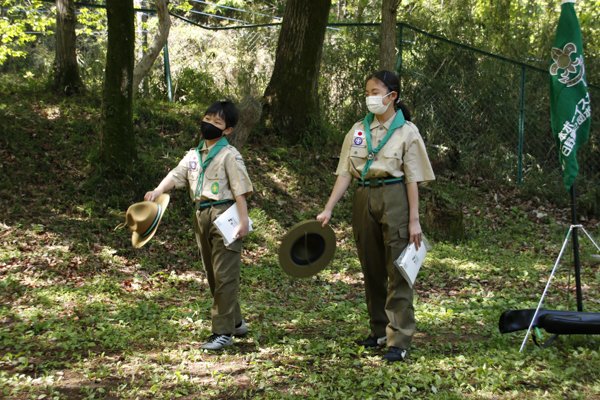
x,y
373,182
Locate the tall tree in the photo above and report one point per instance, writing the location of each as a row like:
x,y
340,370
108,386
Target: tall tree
x,y
142,33
117,148
291,102
341,9
387,49
164,25
66,71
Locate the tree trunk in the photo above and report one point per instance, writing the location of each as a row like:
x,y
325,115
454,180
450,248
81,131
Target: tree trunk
x,y
158,43
142,19
117,147
291,103
66,71
250,111
387,49
341,10
442,220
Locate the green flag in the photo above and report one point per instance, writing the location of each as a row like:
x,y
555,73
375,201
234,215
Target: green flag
x,y
569,98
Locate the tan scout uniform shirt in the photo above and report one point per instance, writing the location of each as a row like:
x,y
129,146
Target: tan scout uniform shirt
x,y
224,179
404,154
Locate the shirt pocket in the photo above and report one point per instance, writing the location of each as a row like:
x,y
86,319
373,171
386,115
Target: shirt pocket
x,y
358,157
215,181
193,175
393,159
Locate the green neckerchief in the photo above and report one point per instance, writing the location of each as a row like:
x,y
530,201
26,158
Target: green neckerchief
x,y
211,154
397,123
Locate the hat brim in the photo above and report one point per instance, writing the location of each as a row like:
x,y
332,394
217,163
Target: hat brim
x,y
304,268
136,239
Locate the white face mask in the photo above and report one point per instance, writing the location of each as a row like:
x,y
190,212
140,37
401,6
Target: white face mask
x,y
375,104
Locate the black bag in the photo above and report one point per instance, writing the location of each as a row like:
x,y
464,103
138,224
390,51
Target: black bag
x,y
553,321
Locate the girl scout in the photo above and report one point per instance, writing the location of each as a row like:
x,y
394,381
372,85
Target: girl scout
x,y
217,178
386,155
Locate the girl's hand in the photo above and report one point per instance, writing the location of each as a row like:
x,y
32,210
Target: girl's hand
x,y
324,217
151,196
414,230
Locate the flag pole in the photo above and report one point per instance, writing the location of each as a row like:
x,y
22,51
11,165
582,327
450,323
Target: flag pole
x,y
576,249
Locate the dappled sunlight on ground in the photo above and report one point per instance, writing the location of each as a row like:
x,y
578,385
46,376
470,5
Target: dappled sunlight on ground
x,y
85,315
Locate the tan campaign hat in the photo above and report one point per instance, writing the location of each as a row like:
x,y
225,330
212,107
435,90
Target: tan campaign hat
x,y
306,249
143,219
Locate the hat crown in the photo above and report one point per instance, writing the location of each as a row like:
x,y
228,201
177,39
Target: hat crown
x,y
143,219
306,249
141,216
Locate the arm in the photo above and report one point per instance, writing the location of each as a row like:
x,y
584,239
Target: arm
x,y
414,227
164,186
341,184
244,227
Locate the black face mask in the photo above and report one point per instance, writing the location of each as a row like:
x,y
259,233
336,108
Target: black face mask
x,y
209,131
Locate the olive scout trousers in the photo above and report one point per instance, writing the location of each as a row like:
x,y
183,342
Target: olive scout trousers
x,y
380,223
222,266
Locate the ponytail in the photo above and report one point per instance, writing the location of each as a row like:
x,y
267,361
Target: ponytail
x,y
405,111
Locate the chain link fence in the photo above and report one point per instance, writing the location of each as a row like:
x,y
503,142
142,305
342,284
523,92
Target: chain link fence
x,y
486,113
478,113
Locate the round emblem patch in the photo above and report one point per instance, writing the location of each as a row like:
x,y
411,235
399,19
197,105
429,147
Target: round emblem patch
x,y
358,141
214,188
370,156
193,165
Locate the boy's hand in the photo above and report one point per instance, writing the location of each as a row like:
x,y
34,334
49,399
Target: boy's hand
x,y
242,230
150,196
324,217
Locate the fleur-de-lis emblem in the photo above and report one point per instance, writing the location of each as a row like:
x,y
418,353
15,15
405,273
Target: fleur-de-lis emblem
x,y
562,60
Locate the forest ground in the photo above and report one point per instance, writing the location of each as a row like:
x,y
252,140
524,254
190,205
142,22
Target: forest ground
x,y
83,315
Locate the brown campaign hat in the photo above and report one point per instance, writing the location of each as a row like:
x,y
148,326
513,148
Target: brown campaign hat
x,y
143,219
306,249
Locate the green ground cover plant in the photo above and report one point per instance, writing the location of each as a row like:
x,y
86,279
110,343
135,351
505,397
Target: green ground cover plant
x,y
83,315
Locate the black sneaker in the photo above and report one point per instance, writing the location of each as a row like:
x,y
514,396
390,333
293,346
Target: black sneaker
x,y
372,341
394,354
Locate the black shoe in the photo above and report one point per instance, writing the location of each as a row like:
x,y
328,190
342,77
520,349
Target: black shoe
x,y
394,354
372,341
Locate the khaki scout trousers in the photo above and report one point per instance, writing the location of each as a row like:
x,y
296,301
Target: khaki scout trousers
x,y
222,266
380,223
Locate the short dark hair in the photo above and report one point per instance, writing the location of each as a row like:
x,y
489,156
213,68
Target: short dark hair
x,y
390,80
226,110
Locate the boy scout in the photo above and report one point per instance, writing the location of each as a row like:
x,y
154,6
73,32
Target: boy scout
x,y
217,178
386,154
